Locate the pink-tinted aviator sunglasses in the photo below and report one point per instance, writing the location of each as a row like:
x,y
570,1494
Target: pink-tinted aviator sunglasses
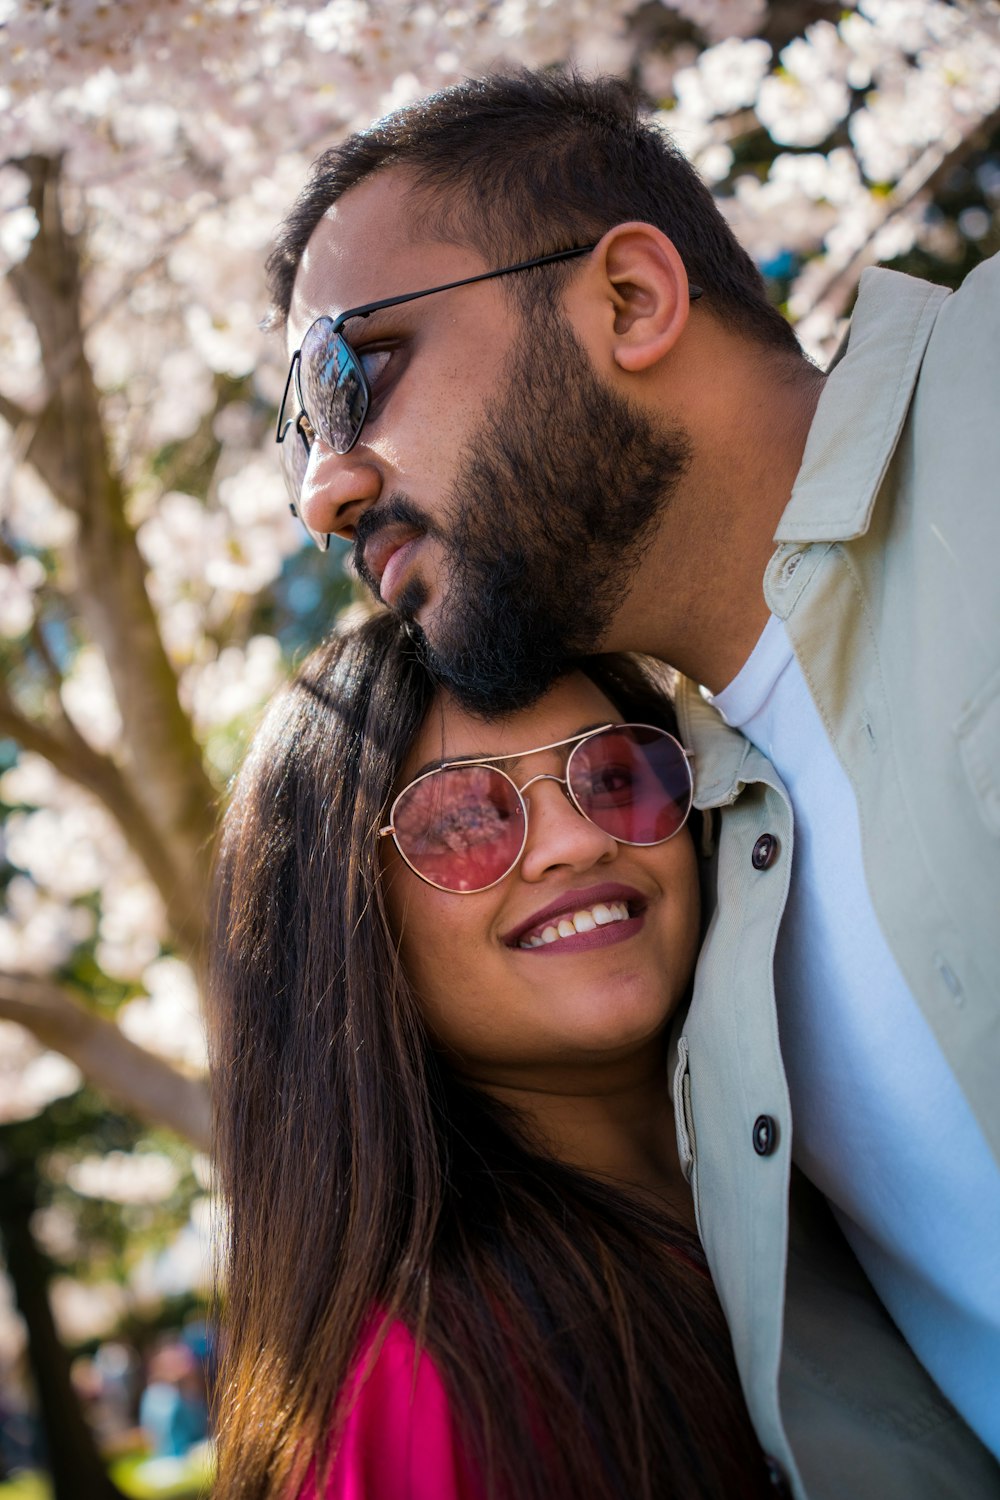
x,y
462,826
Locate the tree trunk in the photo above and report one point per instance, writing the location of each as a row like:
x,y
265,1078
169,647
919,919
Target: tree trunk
x,y
162,762
72,1458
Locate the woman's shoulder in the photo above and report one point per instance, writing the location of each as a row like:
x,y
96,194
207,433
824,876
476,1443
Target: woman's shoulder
x,y
399,1440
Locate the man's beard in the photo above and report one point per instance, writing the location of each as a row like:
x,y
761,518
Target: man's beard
x,y
555,502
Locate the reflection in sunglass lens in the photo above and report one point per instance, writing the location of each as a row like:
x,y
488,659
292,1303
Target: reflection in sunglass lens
x,y
334,390
294,453
461,828
633,782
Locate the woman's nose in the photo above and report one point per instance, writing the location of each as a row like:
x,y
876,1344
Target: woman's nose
x,y
558,834
337,489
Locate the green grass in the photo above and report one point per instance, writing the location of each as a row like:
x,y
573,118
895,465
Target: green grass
x,y
26,1487
127,1474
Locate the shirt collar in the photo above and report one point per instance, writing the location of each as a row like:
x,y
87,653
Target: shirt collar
x,y
862,409
724,762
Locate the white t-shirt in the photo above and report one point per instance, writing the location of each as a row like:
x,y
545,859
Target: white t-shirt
x,y
879,1122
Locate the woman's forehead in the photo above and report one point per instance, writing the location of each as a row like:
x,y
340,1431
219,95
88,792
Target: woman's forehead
x,y
573,705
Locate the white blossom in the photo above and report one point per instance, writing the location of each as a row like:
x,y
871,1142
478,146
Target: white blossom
x,y
801,105
17,609
57,1231
722,18
132,924
238,682
184,1265
64,849
32,779
39,932
125,1176
18,220
69,847
85,1310
18,227
167,1019
724,78
89,699
30,509
30,1076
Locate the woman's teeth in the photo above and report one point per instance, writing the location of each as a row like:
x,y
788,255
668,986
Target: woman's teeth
x,y
581,921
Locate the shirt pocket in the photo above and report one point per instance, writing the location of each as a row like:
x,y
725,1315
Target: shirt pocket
x,y
978,733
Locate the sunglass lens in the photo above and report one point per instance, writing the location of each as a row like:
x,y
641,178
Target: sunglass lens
x,y
633,782
294,462
294,458
334,389
461,828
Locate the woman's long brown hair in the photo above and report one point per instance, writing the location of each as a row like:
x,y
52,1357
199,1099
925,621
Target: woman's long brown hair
x,y
576,1330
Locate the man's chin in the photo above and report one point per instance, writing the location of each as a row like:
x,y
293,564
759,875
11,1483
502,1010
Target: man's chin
x,y
482,682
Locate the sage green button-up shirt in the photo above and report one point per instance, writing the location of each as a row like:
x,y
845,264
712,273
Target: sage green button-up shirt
x,y
887,576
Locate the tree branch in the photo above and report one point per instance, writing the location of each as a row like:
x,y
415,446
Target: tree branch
x,y
833,290
143,1083
62,745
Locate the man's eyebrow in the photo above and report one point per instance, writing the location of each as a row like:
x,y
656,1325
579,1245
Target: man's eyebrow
x,y
359,323
364,320
484,757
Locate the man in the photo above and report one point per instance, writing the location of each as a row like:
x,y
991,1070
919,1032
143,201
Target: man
x,y
572,421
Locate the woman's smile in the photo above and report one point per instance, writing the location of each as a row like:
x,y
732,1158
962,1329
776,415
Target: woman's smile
x,y
601,915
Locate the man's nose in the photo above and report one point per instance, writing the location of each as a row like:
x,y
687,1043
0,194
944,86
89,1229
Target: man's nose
x,y
337,489
559,835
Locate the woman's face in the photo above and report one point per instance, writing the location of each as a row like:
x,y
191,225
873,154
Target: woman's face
x,y
504,1010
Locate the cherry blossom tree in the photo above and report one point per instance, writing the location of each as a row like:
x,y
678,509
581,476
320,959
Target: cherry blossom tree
x,y
149,150
153,588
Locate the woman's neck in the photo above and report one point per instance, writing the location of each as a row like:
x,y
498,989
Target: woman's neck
x,y
614,1121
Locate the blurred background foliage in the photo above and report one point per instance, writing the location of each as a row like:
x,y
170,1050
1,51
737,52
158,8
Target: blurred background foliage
x,y
154,590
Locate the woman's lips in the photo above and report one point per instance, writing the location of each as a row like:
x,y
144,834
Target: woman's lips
x,y
612,913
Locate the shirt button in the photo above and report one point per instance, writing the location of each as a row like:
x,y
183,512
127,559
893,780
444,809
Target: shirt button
x,y
765,1134
765,851
789,568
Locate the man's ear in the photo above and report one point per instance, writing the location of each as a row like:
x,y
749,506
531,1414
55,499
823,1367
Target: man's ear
x,y
648,286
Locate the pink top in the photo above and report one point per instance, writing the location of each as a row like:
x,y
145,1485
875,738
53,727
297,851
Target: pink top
x,y
399,1442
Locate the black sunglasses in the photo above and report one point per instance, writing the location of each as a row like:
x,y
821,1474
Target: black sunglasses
x,y
328,383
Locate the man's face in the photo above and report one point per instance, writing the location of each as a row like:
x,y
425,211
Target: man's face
x,y
556,495
501,494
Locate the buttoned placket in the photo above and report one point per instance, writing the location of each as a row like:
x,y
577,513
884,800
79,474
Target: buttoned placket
x,y
734,1127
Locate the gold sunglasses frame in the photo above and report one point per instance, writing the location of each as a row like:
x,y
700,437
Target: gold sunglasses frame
x,y
576,740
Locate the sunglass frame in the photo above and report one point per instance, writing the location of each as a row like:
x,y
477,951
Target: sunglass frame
x,y
489,761
293,378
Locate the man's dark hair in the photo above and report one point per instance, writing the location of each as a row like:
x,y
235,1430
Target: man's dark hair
x,y
524,164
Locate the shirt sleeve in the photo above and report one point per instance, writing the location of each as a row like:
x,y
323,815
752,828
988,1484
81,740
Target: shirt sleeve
x,y
399,1441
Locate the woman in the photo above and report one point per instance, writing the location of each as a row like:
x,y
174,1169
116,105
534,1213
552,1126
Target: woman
x,y
461,1260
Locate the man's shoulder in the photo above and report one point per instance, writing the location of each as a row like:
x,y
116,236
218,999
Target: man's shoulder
x,y
967,333
886,296
913,349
